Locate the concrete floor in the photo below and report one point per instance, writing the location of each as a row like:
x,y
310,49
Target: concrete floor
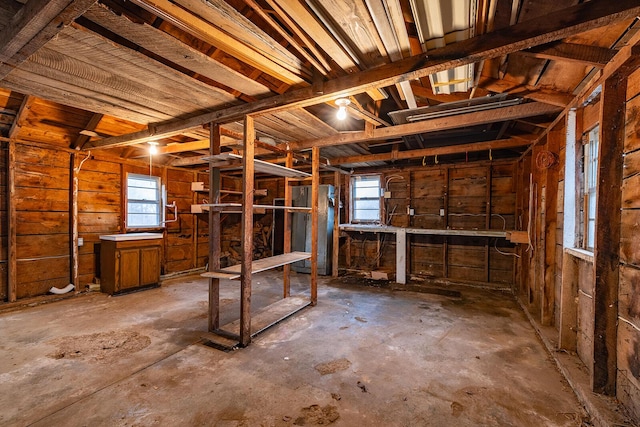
x,y
362,357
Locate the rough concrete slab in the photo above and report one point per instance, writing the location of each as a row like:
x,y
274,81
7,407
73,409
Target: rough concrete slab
x,y
386,359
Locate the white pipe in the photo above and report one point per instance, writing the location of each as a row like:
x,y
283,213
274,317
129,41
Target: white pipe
x,y
64,290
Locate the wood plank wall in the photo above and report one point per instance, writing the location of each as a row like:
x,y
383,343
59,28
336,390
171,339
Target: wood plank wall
x,y
628,378
43,209
464,196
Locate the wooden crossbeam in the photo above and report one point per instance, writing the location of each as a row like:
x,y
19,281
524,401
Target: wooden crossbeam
x,y
34,25
21,116
544,29
434,125
595,56
91,126
434,151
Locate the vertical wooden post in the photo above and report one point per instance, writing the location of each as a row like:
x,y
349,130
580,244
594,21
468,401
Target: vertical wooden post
x,y
487,224
214,230
247,230
73,218
554,140
401,256
445,243
315,184
286,244
606,256
568,328
347,218
336,225
12,265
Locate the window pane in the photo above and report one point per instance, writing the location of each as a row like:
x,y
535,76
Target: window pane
x,y
138,220
367,192
365,196
367,215
367,204
143,193
142,182
143,201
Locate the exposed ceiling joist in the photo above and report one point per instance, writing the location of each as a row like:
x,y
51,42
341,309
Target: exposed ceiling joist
x,y
541,30
83,138
594,56
434,125
34,25
433,151
21,116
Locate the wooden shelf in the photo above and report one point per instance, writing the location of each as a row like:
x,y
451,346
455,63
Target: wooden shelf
x,y
228,336
259,265
372,228
230,160
198,187
223,206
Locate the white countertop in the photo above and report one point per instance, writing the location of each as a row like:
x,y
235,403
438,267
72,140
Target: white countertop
x,y
131,236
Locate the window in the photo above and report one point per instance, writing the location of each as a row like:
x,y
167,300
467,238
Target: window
x,y
590,185
365,196
144,201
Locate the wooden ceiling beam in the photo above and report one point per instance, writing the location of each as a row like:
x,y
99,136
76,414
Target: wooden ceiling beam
x,y
433,125
37,22
544,29
433,151
594,56
91,126
21,116
547,96
204,30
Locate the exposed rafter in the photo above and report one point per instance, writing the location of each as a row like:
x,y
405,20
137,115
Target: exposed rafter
x,y
433,125
541,30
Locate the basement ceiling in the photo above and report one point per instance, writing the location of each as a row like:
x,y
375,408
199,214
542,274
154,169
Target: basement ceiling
x,y
114,74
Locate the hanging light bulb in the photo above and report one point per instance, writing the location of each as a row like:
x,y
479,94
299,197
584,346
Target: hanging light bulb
x,y
153,147
342,108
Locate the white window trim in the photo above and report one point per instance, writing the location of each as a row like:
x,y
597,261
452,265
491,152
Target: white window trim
x,y
352,218
159,202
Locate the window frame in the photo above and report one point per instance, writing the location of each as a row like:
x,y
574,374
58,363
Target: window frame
x,y
590,164
158,202
354,219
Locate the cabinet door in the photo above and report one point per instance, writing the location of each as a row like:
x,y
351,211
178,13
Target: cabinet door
x,y
129,268
150,266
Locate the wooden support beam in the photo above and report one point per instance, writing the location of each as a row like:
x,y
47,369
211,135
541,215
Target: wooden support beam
x,y
555,140
29,21
336,225
286,245
215,231
90,126
627,58
435,151
74,164
315,184
433,125
34,25
606,256
21,116
247,231
594,56
544,29
279,64
12,255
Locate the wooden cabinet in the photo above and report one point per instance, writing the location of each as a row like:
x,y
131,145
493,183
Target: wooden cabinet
x,y
129,264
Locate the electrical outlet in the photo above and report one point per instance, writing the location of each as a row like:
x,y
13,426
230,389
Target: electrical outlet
x,y
387,194
441,212
411,212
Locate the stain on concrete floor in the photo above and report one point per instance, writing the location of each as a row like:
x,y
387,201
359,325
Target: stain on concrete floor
x,y
422,359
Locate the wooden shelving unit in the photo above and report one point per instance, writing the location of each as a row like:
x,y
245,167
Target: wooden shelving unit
x,y
240,331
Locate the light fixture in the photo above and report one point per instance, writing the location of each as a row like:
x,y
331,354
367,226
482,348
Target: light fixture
x,y
153,147
342,108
